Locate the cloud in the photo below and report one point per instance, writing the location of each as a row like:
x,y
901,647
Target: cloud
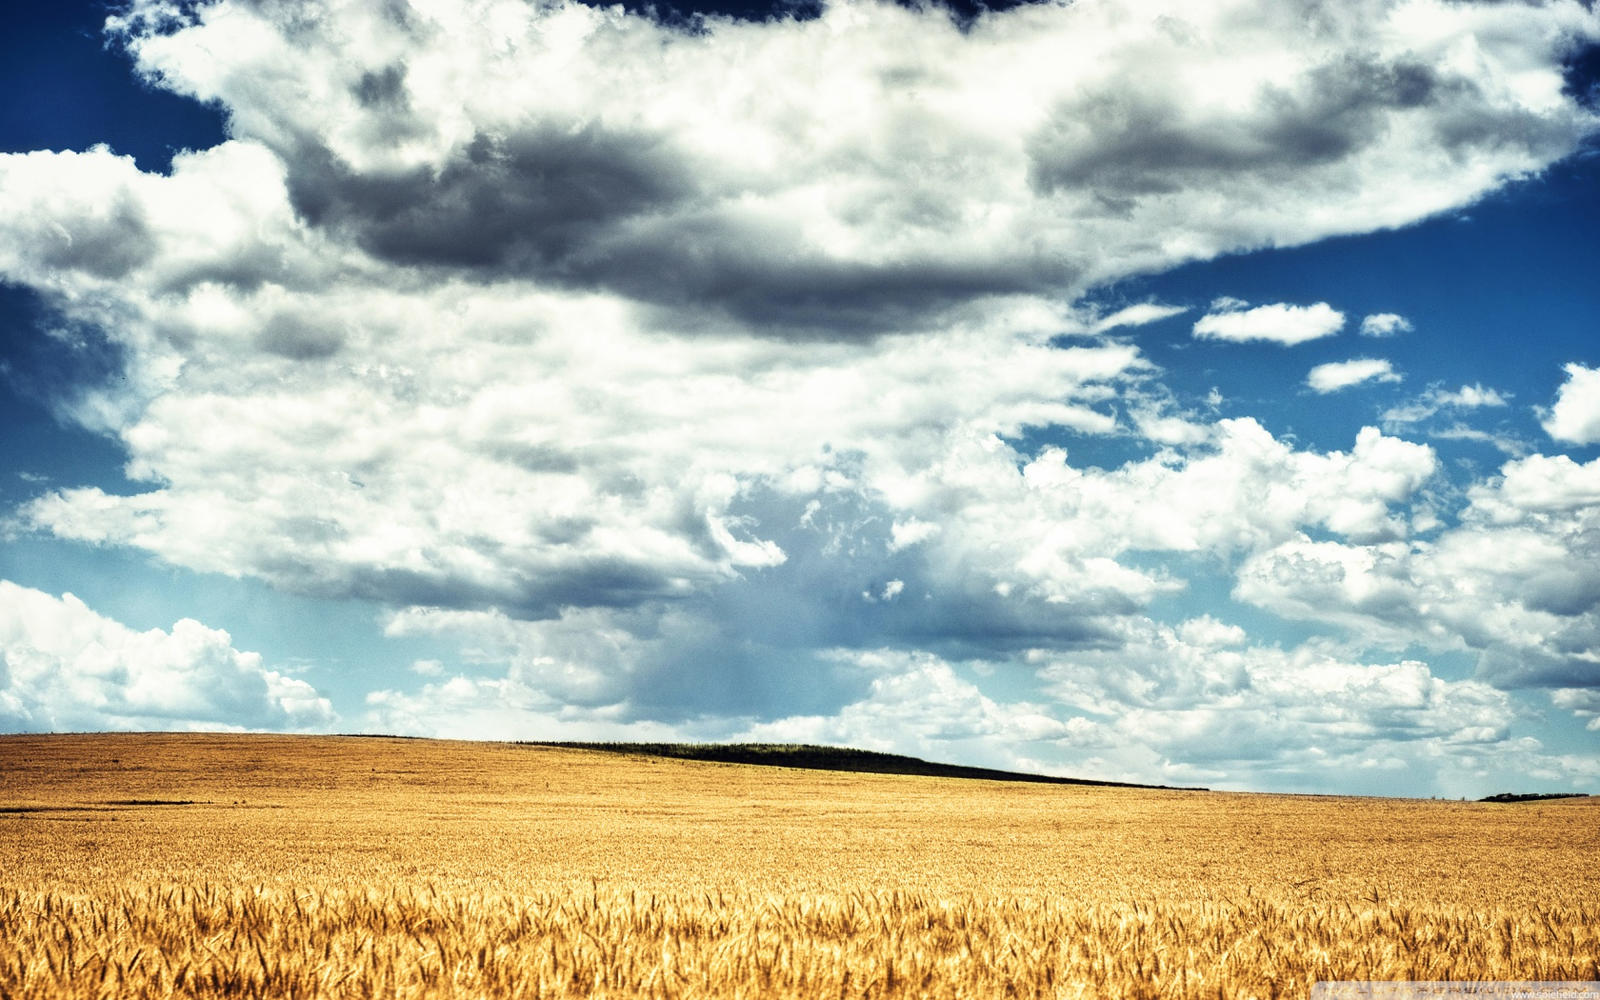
x,y
1539,485
497,466
64,667
1514,582
1575,417
1139,314
1384,325
570,144
1336,375
1187,704
919,704
1583,703
1437,399
1511,445
1199,693
1240,491
1279,323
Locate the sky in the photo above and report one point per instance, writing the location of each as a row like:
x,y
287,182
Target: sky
x,y
1199,392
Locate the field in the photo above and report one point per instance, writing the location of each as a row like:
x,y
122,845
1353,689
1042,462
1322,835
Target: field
x,y
273,866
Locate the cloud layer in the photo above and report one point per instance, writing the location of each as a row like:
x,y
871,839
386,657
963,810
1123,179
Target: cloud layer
x,y
728,380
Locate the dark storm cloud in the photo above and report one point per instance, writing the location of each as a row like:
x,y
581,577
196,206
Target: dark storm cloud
x,y
775,285
594,582
622,212
530,204
1127,139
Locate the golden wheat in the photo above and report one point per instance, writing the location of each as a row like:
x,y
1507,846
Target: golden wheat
x,y
156,866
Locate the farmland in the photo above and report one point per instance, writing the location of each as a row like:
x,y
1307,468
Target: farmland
x,y
229,865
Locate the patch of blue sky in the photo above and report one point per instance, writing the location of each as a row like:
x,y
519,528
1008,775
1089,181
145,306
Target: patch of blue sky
x,y
1501,294
81,91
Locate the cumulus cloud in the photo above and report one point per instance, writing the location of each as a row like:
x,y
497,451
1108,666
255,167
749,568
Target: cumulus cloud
x,y
1575,417
1200,693
64,667
1336,375
1278,323
1538,485
1384,325
1582,702
1514,582
1244,491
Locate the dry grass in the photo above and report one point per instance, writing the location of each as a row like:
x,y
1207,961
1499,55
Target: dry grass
x,y
307,867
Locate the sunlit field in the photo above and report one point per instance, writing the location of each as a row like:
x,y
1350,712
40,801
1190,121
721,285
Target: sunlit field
x,y
272,866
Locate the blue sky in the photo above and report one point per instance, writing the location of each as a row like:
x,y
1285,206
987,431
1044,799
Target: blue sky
x,y
1194,393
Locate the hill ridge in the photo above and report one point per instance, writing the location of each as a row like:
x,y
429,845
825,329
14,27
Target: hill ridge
x,y
816,757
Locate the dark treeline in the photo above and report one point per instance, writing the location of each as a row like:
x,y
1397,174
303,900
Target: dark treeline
x,y
1532,796
821,758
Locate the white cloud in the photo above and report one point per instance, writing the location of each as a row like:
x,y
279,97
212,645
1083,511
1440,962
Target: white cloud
x,y
904,534
476,708
1022,557
917,704
1538,485
1199,698
1575,417
427,668
64,667
1437,399
1511,445
1516,582
1582,702
489,466
1279,323
1384,325
1139,314
1336,375
1470,397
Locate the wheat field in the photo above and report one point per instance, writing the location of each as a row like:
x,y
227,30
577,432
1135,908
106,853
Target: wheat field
x,y
275,866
